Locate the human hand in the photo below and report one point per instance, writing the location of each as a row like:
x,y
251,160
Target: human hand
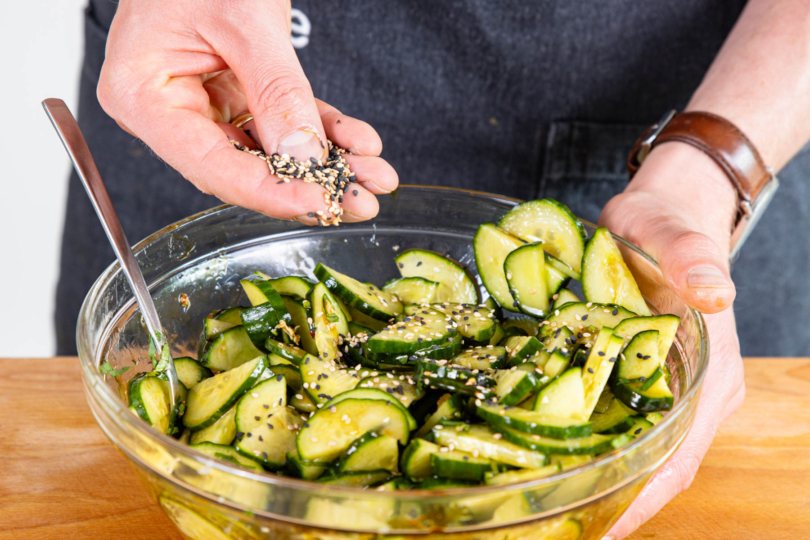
x,y
176,73
679,208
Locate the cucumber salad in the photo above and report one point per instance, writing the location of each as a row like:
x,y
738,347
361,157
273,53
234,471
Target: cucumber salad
x,y
426,383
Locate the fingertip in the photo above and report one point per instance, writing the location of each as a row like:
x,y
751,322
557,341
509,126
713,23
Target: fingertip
x,y
374,173
359,205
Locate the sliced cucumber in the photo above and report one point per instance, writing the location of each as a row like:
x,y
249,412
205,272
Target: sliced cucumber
x,y
220,432
477,323
329,324
533,422
455,282
580,317
529,325
210,399
564,397
231,315
658,397
617,419
416,459
552,223
667,326
272,440
482,358
412,290
419,332
397,386
640,425
288,352
458,465
378,395
606,278
304,469
150,400
525,271
363,297
226,453
290,372
561,340
301,402
268,318
357,329
213,327
556,364
562,268
253,408
298,313
333,428
367,321
599,366
639,360
449,407
492,246
515,385
483,442
593,444
371,452
190,372
520,475
325,379
446,350
230,349
555,279
357,479
441,375
520,348
295,287
565,296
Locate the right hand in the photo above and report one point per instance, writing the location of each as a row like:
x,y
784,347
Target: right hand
x,y
176,73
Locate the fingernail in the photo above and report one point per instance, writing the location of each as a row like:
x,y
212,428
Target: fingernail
x,y
608,538
307,219
356,152
302,145
354,217
707,277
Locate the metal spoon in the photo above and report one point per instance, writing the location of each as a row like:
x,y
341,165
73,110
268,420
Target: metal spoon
x,y
71,136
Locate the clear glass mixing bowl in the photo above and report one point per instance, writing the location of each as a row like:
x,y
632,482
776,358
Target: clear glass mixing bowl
x,y
204,256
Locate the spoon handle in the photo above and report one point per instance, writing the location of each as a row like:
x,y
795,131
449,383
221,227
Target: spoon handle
x,y
73,140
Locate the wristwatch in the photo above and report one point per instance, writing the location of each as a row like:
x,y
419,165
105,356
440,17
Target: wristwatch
x,y
722,141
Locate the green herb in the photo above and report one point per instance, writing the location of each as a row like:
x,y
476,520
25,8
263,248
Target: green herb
x,y
107,369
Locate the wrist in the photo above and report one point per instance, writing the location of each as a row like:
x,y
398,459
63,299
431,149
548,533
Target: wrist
x,y
686,178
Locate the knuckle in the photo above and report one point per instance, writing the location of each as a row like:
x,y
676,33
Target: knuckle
x,y
684,468
278,91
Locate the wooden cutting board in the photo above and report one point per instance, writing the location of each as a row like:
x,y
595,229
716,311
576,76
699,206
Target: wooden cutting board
x,y
61,478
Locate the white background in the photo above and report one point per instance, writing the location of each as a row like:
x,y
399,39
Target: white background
x,y
42,43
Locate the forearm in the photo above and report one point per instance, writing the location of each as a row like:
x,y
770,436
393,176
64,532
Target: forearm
x,y
760,80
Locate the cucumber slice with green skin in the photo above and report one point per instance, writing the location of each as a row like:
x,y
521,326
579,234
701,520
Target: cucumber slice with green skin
x,y
458,465
268,318
591,445
580,317
617,419
520,348
363,297
301,402
521,475
371,452
515,385
562,340
227,453
287,351
295,287
525,271
357,479
416,459
412,290
639,360
656,398
342,422
150,400
552,223
222,431
562,268
529,325
491,246
482,358
229,350
599,366
419,332
667,326
190,372
565,296
483,442
210,399
213,327
640,425
231,315
606,278
439,370
498,335
654,417
449,407
328,322
564,397
252,409
273,439
533,423
455,282
367,321
477,323
604,402
443,483
325,379
555,280
556,365
447,350
290,373
298,313
397,386
356,329
304,469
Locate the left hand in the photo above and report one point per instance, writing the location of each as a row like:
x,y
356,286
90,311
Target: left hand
x,y
679,208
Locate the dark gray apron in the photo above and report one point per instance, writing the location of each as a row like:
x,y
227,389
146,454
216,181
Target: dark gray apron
x,y
524,98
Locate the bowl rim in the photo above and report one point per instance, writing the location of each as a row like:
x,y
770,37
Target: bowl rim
x,y
93,377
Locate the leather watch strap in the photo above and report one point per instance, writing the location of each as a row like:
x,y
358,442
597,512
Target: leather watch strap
x,y
719,139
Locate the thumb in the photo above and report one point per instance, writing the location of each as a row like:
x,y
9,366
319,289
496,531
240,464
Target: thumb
x,y
694,267
255,43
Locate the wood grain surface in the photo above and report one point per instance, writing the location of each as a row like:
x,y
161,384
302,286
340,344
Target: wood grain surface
x,y
61,478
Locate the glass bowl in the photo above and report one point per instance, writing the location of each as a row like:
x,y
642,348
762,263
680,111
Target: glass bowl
x,y
194,266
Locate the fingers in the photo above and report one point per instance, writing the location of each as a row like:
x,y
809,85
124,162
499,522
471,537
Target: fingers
x,y
255,43
356,136
373,173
